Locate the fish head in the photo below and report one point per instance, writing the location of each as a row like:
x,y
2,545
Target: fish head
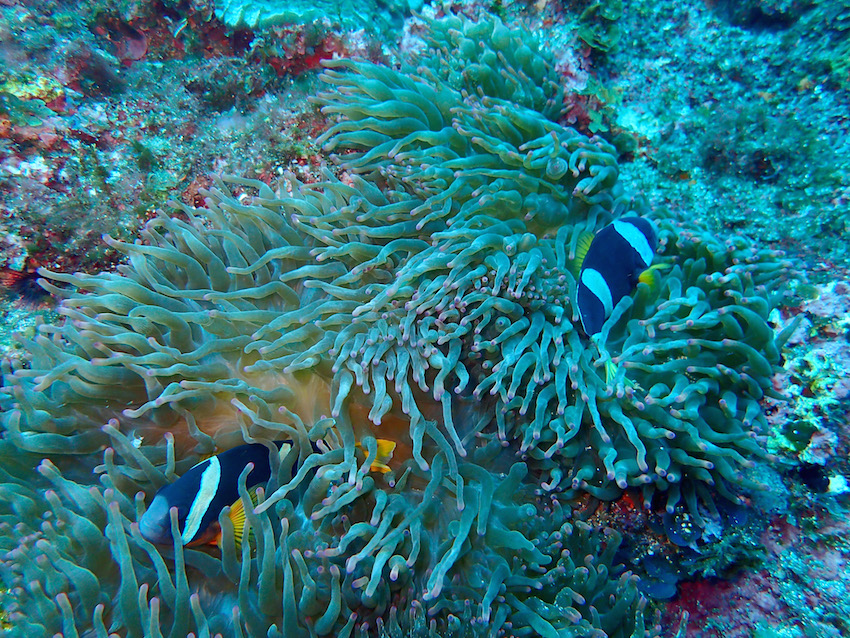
x,y
155,523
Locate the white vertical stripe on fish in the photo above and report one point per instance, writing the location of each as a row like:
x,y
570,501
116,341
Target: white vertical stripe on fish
x,y
636,239
206,493
596,284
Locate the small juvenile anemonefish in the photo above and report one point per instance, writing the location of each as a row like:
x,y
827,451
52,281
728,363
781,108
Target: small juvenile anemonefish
x,y
610,265
211,485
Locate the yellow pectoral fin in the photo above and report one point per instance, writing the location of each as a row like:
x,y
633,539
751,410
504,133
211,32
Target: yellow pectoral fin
x,y
237,515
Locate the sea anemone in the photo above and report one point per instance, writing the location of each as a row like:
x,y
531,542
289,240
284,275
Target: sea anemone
x,y
425,295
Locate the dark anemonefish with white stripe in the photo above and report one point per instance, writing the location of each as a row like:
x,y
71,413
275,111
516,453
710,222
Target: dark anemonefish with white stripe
x,y
211,485
610,266
202,492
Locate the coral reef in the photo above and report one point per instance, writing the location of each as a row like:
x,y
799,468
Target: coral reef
x,y
424,295
83,151
802,571
752,141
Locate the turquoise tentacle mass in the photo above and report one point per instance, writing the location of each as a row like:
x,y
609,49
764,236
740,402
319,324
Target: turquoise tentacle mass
x,y
421,293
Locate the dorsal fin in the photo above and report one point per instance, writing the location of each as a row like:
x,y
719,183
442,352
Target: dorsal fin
x,y
582,246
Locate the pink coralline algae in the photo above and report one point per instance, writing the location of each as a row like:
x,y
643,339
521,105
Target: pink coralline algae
x,y
799,591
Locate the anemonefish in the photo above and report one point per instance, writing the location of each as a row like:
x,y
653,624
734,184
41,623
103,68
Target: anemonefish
x,y
200,495
208,487
610,265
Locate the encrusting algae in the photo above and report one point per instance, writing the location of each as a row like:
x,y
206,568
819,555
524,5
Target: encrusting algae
x,y
426,300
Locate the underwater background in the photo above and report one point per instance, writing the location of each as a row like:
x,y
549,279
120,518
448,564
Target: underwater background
x,y
343,224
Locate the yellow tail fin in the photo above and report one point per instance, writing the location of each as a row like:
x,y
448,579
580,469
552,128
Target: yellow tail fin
x,y
652,275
